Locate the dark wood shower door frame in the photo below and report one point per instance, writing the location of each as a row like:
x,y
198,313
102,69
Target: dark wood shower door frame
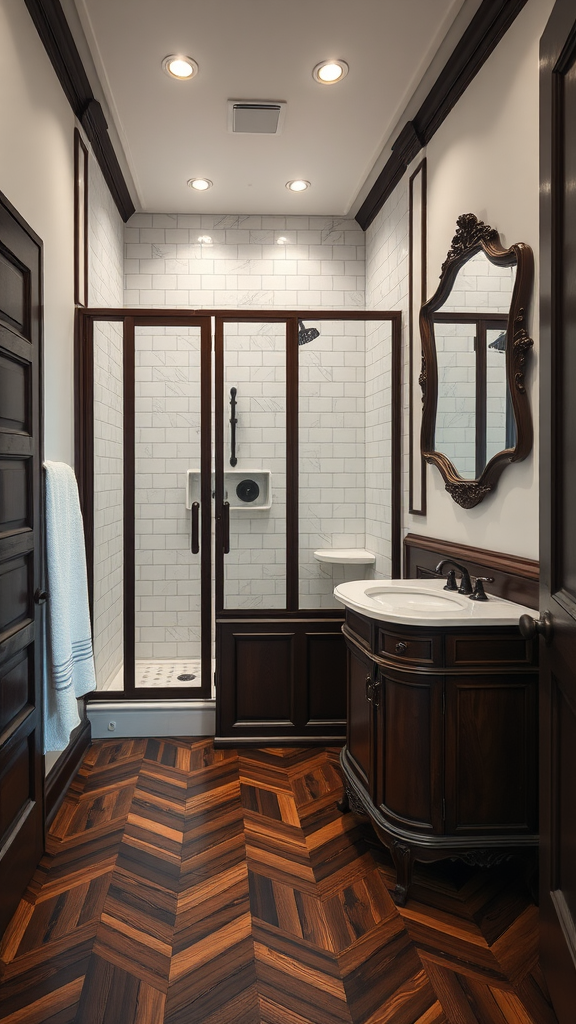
x,y
84,371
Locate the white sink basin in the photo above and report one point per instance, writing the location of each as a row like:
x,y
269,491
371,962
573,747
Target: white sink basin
x,y
426,602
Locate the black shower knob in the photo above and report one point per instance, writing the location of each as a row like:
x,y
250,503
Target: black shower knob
x,y
247,490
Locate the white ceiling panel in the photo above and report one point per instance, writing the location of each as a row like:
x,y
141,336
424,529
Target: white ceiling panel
x,y
259,50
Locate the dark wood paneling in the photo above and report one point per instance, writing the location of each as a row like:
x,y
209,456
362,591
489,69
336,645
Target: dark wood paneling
x,y
491,742
557,362
515,579
264,679
21,564
15,596
326,678
16,686
15,495
488,26
52,27
17,784
14,287
14,393
279,678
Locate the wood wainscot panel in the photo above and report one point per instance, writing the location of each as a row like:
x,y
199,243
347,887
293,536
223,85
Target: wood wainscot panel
x,y
326,673
264,674
514,578
280,680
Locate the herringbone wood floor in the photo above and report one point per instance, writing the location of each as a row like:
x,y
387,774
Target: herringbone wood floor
x,y
187,885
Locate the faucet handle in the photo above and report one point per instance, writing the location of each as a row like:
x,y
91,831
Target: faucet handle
x,y
451,580
479,593
465,584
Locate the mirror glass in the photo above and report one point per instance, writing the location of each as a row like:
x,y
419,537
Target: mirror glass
x,y
474,417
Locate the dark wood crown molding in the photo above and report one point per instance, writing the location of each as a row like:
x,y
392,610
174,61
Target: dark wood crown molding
x,y
53,29
490,23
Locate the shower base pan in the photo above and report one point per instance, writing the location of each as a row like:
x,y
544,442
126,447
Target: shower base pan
x,y
151,674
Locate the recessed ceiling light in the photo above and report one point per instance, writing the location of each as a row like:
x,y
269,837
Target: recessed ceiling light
x,y
200,184
298,185
328,72
182,68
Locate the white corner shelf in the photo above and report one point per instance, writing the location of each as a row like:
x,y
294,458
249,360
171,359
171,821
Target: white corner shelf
x,y
345,556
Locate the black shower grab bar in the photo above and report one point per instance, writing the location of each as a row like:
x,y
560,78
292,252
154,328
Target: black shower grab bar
x,y
233,422
194,528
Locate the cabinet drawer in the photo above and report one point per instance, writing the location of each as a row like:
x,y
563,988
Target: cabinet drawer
x,y
465,650
415,650
361,627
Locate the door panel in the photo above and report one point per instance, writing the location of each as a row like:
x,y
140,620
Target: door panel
x,y
168,606
252,470
21,553
558,501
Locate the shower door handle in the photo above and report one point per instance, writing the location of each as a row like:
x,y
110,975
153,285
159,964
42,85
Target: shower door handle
x,y
194,528
226,527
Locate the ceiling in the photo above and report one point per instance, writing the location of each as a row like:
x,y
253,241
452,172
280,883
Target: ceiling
x,y
332,136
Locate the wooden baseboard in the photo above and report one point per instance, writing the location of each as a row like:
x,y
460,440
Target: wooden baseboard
x,y
61,775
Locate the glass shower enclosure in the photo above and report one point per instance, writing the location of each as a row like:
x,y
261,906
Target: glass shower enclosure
x,y
216,452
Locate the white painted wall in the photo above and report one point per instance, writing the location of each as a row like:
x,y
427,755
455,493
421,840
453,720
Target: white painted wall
x,y
37,176
483,160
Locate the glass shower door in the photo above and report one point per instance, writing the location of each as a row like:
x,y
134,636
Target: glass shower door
x,y
251,465
172,509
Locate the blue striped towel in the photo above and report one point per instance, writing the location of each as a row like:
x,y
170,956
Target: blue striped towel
x,y
70,669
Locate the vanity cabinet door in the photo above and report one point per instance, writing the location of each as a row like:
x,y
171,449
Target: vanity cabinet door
x,y
360,727
491,754
410,751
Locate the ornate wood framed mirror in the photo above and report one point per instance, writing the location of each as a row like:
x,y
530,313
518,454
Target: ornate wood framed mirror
x,y
476,413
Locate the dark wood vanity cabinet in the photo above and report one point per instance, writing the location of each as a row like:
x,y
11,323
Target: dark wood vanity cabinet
x,y
441,748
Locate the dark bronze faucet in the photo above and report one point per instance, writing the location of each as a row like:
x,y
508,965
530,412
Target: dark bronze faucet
x,y
465,584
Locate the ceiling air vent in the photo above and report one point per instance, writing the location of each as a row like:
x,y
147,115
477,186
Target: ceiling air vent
x,y
256,117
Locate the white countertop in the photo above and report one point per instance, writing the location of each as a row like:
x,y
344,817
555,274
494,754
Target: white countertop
x,y
426,603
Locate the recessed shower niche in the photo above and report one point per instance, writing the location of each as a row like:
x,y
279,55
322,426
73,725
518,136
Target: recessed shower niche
x,y
244,489
219,505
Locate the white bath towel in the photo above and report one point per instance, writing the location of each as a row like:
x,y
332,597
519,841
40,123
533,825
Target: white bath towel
x,y
70,657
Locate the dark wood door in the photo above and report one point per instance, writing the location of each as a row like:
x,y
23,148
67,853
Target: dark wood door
x,y
558,507
21,551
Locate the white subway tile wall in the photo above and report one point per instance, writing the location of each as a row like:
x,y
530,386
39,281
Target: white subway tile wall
x,y
386,288
105,281
320,263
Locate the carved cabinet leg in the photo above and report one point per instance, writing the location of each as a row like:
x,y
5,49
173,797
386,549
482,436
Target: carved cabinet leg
x,y
403,861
